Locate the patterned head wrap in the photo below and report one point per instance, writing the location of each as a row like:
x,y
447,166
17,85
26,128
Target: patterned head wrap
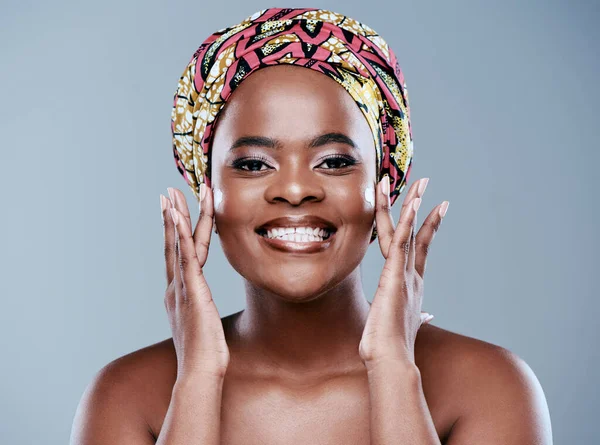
x,y
344,49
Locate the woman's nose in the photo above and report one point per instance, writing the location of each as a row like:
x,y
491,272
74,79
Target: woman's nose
x,y
295,184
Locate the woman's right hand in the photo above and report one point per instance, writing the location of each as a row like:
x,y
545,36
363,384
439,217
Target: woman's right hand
x,y
195,322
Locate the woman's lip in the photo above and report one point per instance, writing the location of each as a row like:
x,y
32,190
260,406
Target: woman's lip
x,y
301,247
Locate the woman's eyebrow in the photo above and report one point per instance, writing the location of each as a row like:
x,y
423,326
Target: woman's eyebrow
x,y
263,141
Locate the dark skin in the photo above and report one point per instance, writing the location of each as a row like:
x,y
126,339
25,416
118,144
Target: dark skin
x,y
295,298
291,365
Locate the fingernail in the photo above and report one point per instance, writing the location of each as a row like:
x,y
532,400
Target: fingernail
x,y
422,186
416,203
163,204
428,319
202,191
386,185
171,194
174,215
444,208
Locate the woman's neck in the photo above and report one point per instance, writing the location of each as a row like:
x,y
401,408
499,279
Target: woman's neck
x,y
314,338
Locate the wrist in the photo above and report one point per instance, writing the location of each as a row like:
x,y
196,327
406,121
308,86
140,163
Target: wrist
x,y
386,366
199,379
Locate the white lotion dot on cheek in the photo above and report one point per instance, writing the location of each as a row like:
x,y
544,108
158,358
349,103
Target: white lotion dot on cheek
x,y
218,198
370,195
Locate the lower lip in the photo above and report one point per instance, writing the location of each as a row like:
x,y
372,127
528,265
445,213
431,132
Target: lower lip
x,y
299,247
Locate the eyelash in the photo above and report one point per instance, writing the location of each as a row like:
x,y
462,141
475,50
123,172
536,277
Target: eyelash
x,y
239,163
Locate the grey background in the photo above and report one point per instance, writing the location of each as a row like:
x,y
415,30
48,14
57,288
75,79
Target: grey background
x,y
504,111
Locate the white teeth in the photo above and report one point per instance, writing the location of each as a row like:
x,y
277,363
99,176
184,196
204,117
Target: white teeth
x,y
297,234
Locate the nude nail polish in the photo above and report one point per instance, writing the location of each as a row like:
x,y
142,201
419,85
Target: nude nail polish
x,y
444,208
422,186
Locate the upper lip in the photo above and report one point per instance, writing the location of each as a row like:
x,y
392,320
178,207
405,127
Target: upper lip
x,y
297,221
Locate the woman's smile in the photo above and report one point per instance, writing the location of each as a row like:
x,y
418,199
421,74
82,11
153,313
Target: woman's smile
x,y
298,240
305,234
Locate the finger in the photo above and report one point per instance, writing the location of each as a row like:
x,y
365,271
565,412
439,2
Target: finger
x,y
421,187
408,200
411,251
400,245
190,272
169,237
413,192
425,237
175,264
203,231
383,215
180,204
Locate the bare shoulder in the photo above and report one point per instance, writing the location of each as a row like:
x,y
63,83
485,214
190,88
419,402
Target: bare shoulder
x,y
128,398
493,393
121,400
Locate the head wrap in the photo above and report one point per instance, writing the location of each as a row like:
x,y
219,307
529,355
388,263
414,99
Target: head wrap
x,y
344,49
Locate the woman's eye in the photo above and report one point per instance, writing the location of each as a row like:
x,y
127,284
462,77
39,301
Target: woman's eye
x,y
338,162
257,164
252,165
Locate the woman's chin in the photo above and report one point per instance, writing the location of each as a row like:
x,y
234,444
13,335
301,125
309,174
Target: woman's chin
x,y
298,289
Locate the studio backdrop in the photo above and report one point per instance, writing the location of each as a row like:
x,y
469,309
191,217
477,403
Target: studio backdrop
x,y
505,124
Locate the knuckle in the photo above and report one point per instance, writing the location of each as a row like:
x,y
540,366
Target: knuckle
x,y
205,216
404,286
204,244
385,207
184,262
423,247
433,224
404,246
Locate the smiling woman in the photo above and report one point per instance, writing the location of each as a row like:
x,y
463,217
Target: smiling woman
x,y
293,131
318,157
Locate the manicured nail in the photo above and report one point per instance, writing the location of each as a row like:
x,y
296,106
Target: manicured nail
x,y
444,208
416,203
171,195
422,186
163,204
202,191
428,319
174,215
386,185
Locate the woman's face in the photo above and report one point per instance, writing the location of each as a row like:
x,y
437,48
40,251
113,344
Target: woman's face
x,y
267,163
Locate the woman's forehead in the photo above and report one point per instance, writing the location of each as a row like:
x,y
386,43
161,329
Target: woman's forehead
x,y
292,101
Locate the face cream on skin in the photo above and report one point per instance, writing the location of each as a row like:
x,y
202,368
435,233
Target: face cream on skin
x,y
218,198
370,195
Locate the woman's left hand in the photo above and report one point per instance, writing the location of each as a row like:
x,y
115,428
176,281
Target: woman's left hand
x,y
395,315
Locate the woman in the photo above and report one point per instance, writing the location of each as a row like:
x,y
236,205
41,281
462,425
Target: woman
x,y
296,169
